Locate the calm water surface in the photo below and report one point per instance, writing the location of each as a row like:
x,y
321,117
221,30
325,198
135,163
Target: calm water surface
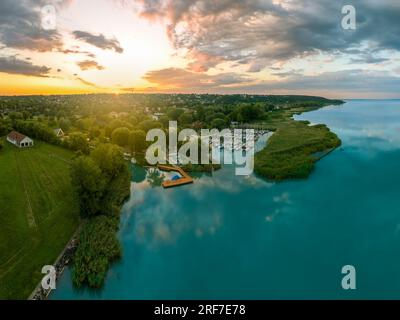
x,y
230,237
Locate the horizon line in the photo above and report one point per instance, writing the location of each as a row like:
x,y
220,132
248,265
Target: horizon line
x,y
180,93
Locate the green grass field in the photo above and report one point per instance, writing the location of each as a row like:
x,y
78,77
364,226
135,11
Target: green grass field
x,y
38,214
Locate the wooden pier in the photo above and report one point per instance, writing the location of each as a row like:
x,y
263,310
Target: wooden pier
x,y
185,179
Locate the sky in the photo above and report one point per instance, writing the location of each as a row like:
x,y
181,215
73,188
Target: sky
x,y
200,46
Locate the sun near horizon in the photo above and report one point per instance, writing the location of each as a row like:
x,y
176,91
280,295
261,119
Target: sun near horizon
x,y
141,46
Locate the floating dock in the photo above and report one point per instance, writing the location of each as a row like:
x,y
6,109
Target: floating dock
x,y
185,179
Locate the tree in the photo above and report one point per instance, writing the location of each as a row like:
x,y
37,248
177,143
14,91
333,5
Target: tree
x,y
64,124
5,127
137,140
84,124
219,115
101,180
164,121
116,124
36,130
133,120
16,116
78,142
174,113
185,119
89,185
249,112
109,158
218,123
115,171
147,125
200,113
94,132
120,136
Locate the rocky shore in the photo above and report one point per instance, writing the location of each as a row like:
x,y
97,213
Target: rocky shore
x,y
62,261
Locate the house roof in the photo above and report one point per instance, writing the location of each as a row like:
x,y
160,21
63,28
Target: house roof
x,y
16,136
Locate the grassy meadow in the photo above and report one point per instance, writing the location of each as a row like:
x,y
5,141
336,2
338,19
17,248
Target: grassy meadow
x,y
38,214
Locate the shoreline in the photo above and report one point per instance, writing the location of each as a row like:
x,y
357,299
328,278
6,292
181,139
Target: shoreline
x,y
60,264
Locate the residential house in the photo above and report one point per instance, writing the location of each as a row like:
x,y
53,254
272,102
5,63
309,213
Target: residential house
x,y
19,140
59,133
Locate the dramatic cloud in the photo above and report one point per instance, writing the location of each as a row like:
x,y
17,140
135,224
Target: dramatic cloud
x,y
368,59
201,61
348,83
13,65
99,41
175,78
258,33
340,84
345,81
20,26
224,46
89,64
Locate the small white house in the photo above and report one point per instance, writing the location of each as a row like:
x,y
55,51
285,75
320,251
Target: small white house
x,y
58,132
19,140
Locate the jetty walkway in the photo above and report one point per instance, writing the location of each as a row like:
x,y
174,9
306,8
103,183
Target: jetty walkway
x,y
185,178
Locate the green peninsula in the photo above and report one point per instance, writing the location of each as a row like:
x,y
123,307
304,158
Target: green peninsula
x,y
296,145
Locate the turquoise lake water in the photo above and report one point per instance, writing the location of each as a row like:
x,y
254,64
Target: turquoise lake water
x,y
231,237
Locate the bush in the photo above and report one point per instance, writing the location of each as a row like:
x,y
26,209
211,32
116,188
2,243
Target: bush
x,y
78,142
98,248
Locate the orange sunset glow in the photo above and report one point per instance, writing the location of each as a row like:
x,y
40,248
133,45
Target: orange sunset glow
x,y
194,46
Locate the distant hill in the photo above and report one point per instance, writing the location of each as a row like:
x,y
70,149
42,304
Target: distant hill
x,y
276,99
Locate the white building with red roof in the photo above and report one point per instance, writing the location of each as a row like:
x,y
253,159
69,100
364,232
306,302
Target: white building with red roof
x,y
19,140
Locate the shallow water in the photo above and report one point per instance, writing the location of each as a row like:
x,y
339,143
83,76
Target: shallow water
x,y
231,237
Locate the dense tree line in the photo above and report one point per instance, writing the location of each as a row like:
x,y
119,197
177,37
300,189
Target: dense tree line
x,y
5,127
134,140
102,182
36,130
125,119
76,141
